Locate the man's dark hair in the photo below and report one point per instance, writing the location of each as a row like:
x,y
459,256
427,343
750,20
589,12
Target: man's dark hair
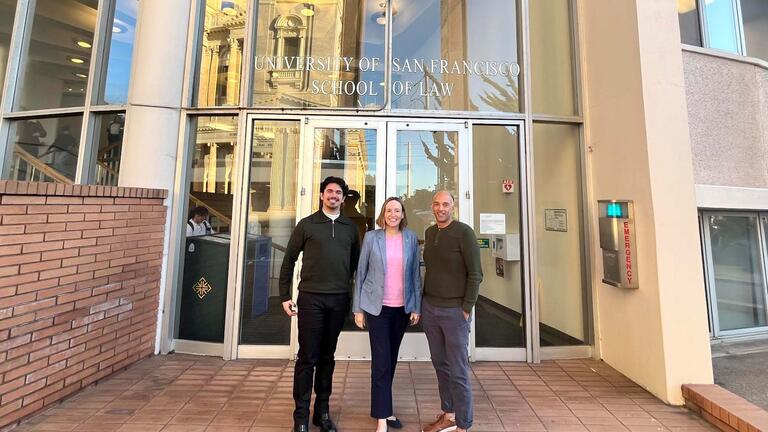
x,y
198,211
338,180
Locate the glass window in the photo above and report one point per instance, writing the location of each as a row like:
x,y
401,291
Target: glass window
x,y
221,56
45,149
106,167
737,271
7,14
552,59
121,35
559,251
56,55
443,59
755,16
326,54
207,239
690,26
500,309
271,219
720,19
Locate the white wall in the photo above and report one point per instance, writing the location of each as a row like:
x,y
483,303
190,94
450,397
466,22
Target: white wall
x,y
636,127
154,110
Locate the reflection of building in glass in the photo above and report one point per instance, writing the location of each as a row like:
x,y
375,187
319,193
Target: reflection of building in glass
x,y
312,54
222,52
213,162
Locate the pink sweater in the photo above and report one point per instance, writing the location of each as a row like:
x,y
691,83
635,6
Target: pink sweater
x,y
393,279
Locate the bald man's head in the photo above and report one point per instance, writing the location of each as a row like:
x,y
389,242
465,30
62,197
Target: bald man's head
x,y
442,208
443,192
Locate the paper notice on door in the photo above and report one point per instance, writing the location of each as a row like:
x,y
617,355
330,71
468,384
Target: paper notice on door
x,y
493,223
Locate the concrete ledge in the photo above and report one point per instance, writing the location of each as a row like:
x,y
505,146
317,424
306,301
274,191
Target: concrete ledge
x,y
724,409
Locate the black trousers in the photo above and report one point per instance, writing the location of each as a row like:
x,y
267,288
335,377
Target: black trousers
x,y
386,333
321,317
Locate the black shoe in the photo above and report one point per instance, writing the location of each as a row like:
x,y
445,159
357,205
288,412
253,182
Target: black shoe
x,y
394,423
324,422
300,428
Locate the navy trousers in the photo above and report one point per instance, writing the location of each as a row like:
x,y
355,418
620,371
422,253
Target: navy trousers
x,y
386,333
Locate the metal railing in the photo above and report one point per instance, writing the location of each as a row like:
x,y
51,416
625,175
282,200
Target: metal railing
x,y
35,170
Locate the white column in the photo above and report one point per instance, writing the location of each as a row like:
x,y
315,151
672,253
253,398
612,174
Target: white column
x,y
151,138
637,130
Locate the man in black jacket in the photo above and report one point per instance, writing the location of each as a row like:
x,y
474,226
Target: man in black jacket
x,y
331,246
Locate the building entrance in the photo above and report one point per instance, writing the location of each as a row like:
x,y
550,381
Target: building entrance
x,y
287,158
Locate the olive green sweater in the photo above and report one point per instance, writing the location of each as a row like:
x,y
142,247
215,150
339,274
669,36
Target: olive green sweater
x,y
454,273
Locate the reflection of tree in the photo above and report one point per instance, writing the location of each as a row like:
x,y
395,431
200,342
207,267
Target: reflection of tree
x,y
418,210
504,98
444,158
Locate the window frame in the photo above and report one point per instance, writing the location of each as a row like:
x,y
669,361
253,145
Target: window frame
x,y
738,27
20,34
709,273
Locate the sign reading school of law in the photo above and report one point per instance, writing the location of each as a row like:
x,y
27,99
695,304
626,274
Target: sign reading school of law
x,y
430,69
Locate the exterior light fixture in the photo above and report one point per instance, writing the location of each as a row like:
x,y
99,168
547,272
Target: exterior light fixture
x,y
228,7
685,6
83,44
308,10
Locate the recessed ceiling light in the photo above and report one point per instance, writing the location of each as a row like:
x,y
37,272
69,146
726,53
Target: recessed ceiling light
x,y
69,89
307,10
83,44
80,75
76,60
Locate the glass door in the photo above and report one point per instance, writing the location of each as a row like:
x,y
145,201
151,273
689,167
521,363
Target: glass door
x,y
355,151
423,158
271,207
502,318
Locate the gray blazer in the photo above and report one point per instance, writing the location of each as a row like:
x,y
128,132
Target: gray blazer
x,y
369,281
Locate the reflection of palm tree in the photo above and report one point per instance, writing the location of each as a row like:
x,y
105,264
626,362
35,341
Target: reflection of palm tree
x,y
444,158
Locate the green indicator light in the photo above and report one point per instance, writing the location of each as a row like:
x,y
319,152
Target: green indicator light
x,y
614,210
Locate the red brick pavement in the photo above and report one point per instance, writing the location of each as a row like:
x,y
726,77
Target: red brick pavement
x,y
189,393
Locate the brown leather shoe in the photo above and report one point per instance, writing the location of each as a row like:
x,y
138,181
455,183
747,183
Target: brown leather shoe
x,y
442,424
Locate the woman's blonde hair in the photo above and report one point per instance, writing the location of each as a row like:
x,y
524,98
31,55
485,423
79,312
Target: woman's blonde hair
x,y
380,220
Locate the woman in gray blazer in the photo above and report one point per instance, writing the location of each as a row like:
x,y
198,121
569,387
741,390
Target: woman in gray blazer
x,y
387,298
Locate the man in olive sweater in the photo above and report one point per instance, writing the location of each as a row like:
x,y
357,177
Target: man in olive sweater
x,y
331,245
451,285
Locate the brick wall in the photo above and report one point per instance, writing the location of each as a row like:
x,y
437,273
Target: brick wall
x,y
79,285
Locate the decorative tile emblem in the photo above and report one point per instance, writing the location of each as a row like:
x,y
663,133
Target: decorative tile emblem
x,y
202,287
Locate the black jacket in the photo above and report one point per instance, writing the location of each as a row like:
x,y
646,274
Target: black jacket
x,y
331,250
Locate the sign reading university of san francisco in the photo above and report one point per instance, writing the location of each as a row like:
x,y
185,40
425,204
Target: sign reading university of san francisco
x,y
424,67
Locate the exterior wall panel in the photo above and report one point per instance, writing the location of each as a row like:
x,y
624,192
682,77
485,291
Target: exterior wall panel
x,y
728,118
